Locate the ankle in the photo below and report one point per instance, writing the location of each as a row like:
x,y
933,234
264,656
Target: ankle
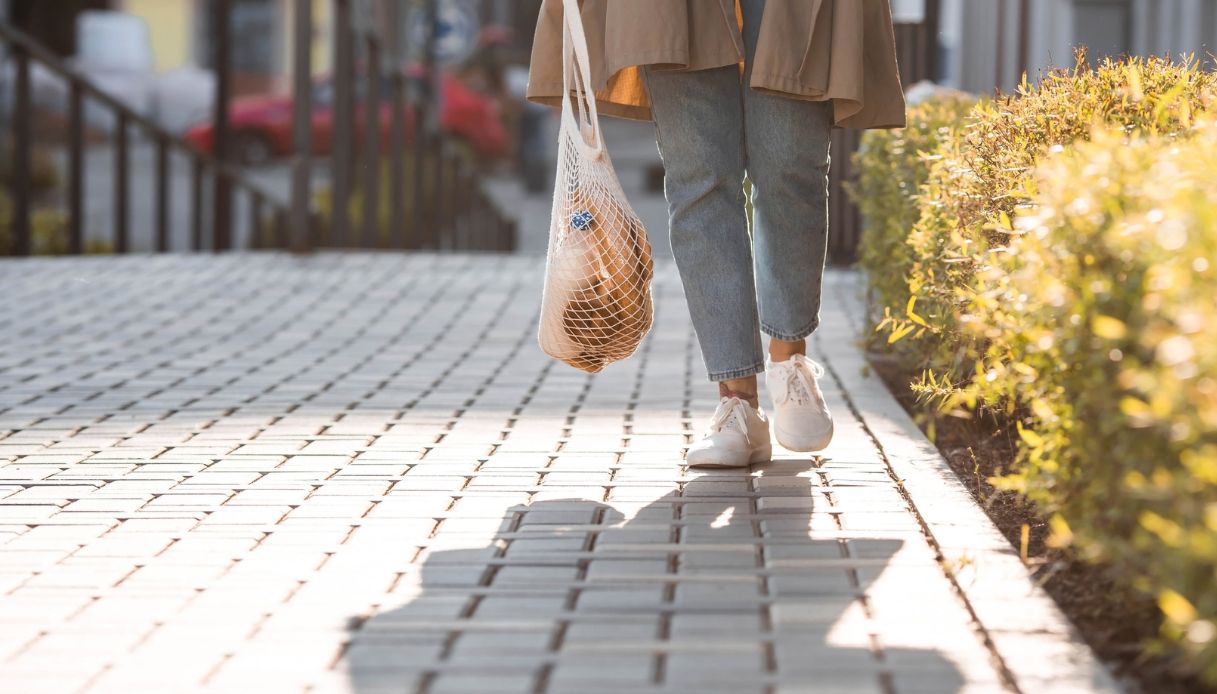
x,y
748,397
780,350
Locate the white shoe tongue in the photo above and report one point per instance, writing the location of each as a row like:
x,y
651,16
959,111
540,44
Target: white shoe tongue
x,y
798,387
793,384
729,414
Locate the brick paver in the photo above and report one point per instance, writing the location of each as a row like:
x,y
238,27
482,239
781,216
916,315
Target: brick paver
x,y
357,473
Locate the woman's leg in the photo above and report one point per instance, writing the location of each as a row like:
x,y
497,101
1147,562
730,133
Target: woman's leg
x,y
787,142
699,128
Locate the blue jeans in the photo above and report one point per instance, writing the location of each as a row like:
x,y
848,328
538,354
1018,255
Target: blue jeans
x,y
711,129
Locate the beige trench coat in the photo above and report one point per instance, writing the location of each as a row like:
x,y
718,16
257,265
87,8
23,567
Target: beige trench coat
x,y
838,50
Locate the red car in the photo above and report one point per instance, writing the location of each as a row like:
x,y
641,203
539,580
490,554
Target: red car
x,y
261,126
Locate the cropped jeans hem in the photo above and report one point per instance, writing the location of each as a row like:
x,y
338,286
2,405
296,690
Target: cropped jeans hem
x,y
738,373
790,337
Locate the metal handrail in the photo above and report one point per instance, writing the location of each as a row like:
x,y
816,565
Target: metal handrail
x,y
451,213
79,85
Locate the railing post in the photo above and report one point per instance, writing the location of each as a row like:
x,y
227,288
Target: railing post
x,y
451,202
256,238
371,143
397,135
502,233
196,203
343,139
439,165
493,239
302,128
424,221
222,223
280,230
458,183
76,168
22,165
162,195
418,229
122,183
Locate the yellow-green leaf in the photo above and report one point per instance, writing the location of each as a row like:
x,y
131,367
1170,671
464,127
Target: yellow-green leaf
x,y
1030,437
1176,607
1062,534
1005,221
1167,530
1138,409
899,333
1042,410
913,314
1108,328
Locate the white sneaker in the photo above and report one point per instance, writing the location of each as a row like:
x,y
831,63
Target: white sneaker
x,y
738,437
801,421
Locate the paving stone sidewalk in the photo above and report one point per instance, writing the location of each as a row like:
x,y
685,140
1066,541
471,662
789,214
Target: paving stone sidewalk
x,y
357,473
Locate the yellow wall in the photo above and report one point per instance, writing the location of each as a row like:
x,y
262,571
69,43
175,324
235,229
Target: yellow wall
x,y
322,53
170,23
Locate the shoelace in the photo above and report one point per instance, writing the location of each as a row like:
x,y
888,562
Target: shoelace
x,y
798,384
729,412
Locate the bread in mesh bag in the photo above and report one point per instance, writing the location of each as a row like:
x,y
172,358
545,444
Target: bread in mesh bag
x,y
598,282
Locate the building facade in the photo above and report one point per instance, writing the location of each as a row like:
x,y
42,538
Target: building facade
x,y
182,35
182,32
983,42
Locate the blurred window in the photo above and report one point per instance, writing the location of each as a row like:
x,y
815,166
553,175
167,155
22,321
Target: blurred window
x,y
254,28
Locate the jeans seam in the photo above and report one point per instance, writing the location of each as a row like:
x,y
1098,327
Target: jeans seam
x,y
743,144
731,374
790,337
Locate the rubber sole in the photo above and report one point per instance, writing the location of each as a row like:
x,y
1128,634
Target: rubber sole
x,y
813,445
763,455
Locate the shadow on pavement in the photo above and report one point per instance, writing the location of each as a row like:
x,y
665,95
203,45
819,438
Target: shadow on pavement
x,y
572,597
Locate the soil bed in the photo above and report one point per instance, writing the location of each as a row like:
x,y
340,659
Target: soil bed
x,y
1113,621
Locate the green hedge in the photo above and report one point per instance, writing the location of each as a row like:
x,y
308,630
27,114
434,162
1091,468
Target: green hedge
x,y
893,166
978,180
1061,275
1101,334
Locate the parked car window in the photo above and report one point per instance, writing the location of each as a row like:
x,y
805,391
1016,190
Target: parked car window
x,y
254,28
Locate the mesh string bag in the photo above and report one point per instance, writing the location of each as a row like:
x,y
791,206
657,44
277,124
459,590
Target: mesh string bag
x,y
596,304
